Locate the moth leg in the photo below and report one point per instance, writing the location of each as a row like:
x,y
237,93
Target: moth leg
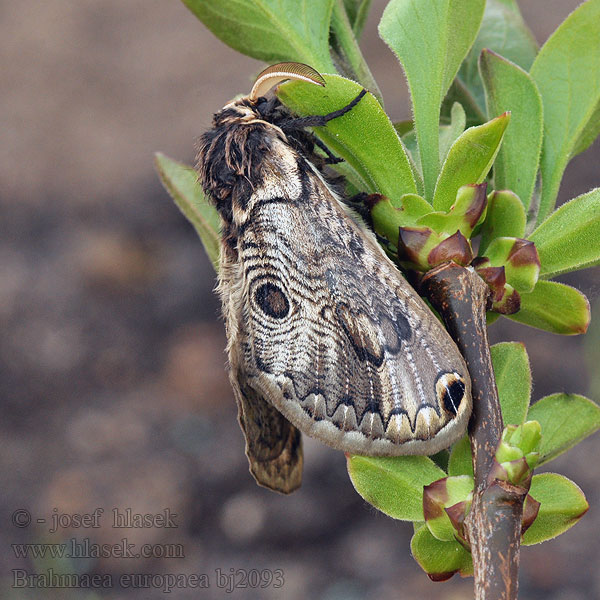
x,y
331,158
273,444
321,120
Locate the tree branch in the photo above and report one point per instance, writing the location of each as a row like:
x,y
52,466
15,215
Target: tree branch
x,y
494,521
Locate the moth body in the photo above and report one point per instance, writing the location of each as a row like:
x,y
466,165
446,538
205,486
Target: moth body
x,y
325,336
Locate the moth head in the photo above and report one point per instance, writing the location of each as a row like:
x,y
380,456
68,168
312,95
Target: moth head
x,y
230,155
247,109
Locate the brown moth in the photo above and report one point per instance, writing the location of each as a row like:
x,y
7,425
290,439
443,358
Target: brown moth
x,y
325,336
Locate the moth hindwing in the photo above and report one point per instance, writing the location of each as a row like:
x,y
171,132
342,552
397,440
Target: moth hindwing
x,y
325,336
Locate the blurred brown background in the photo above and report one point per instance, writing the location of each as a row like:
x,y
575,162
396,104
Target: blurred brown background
x,y
112,379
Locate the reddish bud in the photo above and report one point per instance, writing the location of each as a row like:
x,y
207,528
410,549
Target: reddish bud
x,y
523,253
510,302
531,507
413,244
477,205
454,248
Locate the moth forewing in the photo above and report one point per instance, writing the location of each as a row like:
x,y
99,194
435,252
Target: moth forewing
x,y
325,336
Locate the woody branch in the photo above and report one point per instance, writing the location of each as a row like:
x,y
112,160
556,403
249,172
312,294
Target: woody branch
x,y
494,521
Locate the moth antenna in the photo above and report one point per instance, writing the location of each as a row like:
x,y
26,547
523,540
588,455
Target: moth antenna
x,y
274,74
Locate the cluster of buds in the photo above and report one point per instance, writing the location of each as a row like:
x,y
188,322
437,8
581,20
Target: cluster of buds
x,y
517,455
446,502
421,239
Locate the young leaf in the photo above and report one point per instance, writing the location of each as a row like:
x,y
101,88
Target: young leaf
x,y
562,504
365,137
181,181
440,560
395,484
566,420
445,494
459,93
505,217
509,88
567,74
555,307
568,239
504,32
358,11
449,133
520,260
464,215
423,36
271,30
389,216
513,378
460,462
346,51
469,160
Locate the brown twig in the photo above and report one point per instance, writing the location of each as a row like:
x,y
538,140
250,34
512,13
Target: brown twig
x,y
494,521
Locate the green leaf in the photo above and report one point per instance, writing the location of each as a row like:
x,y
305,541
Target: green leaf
x,y
568,239
409,139
440,560
504,32
513,379
509,88
460,462
459,93
555,307
346,51
403,127
505,217
441,459
562,504
364,137
423,36
491,317
395,484
181,181
469,160
567,74
589,133
271,30
357,11
566,420
450,133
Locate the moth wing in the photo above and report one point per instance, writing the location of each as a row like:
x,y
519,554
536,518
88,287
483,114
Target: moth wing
x,y
273,444
335,338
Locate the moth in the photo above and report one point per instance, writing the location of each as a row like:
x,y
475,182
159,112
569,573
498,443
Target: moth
x,y
325,336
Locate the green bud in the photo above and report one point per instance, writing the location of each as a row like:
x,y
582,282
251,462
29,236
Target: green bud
x,y
446,502
464,214
520,260
517,454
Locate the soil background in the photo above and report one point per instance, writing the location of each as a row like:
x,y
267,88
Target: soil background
x,y
112,367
